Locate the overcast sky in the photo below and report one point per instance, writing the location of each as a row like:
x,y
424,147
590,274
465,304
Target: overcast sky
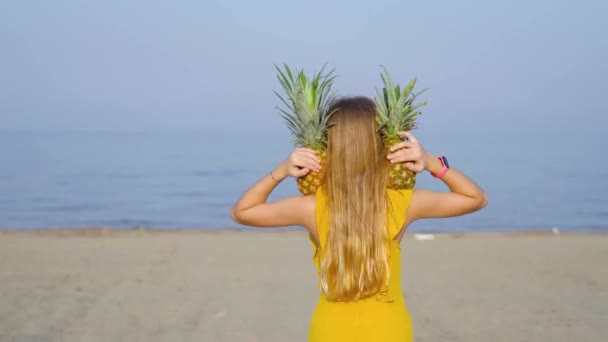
x,y
155,65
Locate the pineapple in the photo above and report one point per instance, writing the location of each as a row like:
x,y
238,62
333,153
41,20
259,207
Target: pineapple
x,y
307,103
396,112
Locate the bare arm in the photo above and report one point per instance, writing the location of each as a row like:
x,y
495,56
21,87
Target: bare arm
x,y
253,210
464,197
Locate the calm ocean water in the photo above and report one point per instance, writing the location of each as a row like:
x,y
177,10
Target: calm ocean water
x,y
191,179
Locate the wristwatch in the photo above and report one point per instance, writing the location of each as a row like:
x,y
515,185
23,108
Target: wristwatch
x,y
446,166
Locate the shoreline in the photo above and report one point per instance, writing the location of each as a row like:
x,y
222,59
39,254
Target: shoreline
x,y
107,231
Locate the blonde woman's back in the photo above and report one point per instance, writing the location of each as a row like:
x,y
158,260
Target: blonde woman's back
x,y
382,317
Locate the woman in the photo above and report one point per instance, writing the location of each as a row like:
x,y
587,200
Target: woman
x,y
356,223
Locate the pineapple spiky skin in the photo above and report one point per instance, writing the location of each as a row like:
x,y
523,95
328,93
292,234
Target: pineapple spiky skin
x,y
309,184
399,176
307,115
397,112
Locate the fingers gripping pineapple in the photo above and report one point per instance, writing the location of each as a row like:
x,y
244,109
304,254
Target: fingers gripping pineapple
x,y
307,103
397,112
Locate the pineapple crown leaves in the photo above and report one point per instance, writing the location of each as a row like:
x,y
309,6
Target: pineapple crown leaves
x,y
307,102
395,109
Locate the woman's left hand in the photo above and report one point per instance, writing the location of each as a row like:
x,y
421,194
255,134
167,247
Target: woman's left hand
x,y
409,152
302,161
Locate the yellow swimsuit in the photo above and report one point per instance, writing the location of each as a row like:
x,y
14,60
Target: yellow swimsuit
x,y
383,317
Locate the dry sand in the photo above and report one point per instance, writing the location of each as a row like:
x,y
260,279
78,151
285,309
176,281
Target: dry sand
x,y
260,286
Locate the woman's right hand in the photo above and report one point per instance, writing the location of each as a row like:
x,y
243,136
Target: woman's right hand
x,y
302,161
411,153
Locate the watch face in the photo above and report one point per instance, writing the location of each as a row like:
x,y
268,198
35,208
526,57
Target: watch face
x,y
445,161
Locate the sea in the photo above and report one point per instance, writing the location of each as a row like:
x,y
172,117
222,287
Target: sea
x,y
535,180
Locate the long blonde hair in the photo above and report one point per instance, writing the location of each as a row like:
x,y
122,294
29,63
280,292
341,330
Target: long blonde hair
x,y
354,261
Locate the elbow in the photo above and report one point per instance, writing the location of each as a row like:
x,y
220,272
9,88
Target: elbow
x,y
241,216
483,201
236,215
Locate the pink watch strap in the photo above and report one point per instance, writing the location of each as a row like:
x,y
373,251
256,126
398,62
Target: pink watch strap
x,y
443,170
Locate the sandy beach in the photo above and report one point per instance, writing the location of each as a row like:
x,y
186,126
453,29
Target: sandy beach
x,y
103,285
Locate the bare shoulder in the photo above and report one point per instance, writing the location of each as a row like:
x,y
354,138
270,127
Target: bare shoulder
x,y
309,209
419,197
302,209
309,203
